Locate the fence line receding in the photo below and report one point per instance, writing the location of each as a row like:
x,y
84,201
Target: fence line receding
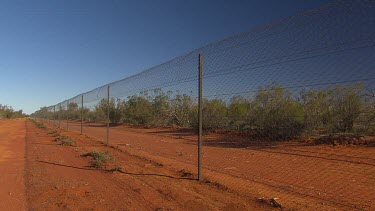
x,y
274,101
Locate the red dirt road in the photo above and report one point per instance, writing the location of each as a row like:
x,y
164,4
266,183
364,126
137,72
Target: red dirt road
x,y
58,177
158,167
12,164
302,176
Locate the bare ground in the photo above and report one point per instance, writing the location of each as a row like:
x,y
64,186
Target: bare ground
x,y
58,177
12,164
302,176
157,171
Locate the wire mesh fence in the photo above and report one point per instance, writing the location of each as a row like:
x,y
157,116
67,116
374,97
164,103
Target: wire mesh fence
x,y
287,108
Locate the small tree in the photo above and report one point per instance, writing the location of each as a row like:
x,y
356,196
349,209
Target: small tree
x,y
85,113
367,117
214,114
116,110
73,111
139,110
238,112
276,113
161,108
345,107
182,110
120,110
334,110
316,109
99,114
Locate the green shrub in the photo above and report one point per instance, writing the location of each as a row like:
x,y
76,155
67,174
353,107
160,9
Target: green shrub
x,y
316,107
214,114
365,123
346,107
99,158
52,132
116,110
276,114
334,110
40,125
161,108
139,111
67,142
73,111
60,138
116,168
272,112
8,112
182,109
239,112
97,115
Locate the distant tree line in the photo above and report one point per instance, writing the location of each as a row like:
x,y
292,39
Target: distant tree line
x,y
7,112
273,111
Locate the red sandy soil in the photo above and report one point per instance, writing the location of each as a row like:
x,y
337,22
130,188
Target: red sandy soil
x,y
12,164
302,176
58,177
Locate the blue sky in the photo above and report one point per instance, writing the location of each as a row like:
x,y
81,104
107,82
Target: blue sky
x,y
51,50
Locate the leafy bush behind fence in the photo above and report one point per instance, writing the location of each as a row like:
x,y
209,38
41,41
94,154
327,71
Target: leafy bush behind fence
x,y
313,73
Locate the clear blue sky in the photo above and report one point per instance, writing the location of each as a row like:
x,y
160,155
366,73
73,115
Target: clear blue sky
x,y
51,50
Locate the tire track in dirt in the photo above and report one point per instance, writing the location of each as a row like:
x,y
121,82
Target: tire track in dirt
x,y
150,185
58,187
298,179
12,164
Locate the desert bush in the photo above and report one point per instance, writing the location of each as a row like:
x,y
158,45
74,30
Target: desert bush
x,y
336,109
365,122
96,115
52,132
316,107
99,158
102,108
346,106
73,111
40,125
276,113
161,108
59,112
272,112
139,110
214,114
60,138
67,142
118,115
9,113
85,114
116,168
116,110
43,113
239,112
182,110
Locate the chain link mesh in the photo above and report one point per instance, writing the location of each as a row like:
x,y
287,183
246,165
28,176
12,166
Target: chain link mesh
x,y
288,109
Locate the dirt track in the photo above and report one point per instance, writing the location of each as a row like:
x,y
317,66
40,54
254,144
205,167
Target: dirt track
x,y
302,176
12,164
59,178
156,166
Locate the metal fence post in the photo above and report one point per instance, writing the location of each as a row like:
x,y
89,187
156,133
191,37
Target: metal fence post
x,y
200,109
108,116
82,115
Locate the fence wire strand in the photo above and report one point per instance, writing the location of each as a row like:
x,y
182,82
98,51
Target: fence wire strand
x,y
288,108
